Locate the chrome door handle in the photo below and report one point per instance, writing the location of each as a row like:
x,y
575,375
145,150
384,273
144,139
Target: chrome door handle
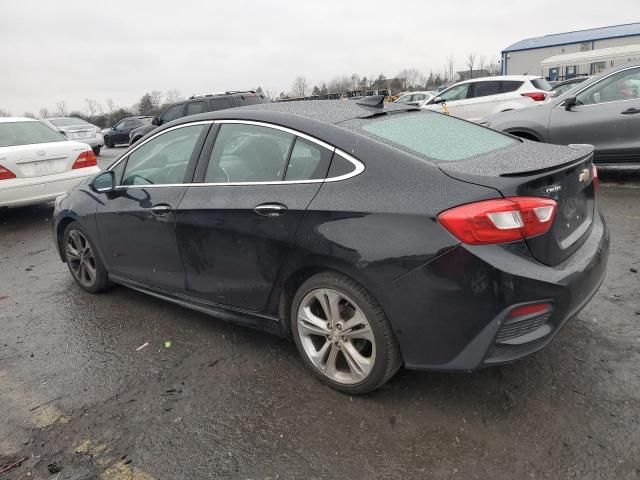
x,y
160,210
270,209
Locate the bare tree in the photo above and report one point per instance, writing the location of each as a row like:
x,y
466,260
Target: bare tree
x,y
44,112
355,81
409,77
111,106
93,107
156,99
471,60
28,115
173,96
61,108
449,68
271,93
482,60
493,68
300,86
5,113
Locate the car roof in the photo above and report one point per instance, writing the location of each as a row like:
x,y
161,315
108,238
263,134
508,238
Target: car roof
x,y
16,119
324,111
318,118
519,78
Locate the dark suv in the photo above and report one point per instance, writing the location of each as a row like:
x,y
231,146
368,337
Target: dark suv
x,y
198,104
119,133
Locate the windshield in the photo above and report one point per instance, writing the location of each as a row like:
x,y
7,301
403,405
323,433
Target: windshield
x,y
67,122
27,133
438,136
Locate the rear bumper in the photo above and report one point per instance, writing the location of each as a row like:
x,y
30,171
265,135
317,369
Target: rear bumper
x,y
29,191
448,314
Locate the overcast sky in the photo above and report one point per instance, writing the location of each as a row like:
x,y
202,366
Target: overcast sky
x,y
71,50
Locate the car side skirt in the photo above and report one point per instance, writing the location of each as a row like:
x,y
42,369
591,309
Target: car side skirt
x,y
245,318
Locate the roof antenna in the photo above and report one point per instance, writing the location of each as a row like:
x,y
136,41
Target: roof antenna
x,y
372,101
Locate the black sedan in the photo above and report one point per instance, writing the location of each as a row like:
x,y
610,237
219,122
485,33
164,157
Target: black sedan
x,y
119,133
377,236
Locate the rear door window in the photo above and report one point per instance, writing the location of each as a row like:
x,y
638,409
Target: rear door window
x,y
249,153
308,161
484,89
436,136
195,107
221,103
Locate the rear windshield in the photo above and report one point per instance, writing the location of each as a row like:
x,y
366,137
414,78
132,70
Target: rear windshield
x,y
27,133
67,122
541,84
438,136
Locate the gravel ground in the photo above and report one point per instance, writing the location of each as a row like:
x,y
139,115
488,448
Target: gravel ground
x,y
78,399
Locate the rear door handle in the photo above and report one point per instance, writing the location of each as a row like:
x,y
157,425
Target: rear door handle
x,y
631,111
160,210
270,209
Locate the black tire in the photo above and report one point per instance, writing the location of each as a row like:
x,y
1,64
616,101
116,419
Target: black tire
x,y
108,142
100,281
96,151
388,358
134,140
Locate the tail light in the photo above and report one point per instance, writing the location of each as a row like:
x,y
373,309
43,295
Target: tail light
x,y
536,96
85,159
6,174
500,220
594,175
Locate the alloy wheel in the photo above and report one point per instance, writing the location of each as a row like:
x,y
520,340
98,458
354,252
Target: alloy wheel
x,y
80,258
336,336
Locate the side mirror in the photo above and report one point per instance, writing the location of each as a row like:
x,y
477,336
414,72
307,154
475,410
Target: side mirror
x,y
155,121
104,182
570,102
438,100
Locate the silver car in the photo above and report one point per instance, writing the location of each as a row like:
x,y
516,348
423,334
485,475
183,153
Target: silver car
x,y
603,111
78,130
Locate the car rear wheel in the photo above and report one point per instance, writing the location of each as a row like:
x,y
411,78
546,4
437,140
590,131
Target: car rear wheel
x,y
96,151
343,334
108,142
135,139
84,263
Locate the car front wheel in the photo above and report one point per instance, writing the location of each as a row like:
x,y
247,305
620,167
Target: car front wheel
x,y
83,261
108,142
343,335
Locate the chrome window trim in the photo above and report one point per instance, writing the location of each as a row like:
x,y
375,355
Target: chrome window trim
x,y
596,83
283,129
358,165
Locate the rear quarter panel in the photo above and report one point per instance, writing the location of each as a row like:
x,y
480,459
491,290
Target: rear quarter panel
x,y
381,224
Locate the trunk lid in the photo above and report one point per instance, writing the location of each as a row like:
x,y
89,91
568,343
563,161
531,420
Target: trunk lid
x,y
37,160
79,132
541,170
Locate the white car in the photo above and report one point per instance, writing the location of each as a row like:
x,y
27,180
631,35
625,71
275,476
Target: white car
x,y
477,98
415,98
77,129
37,163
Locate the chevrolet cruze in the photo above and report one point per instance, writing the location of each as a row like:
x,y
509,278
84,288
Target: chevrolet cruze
x,y
375,235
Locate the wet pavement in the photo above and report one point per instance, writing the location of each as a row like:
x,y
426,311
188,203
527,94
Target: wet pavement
x,y
79,400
